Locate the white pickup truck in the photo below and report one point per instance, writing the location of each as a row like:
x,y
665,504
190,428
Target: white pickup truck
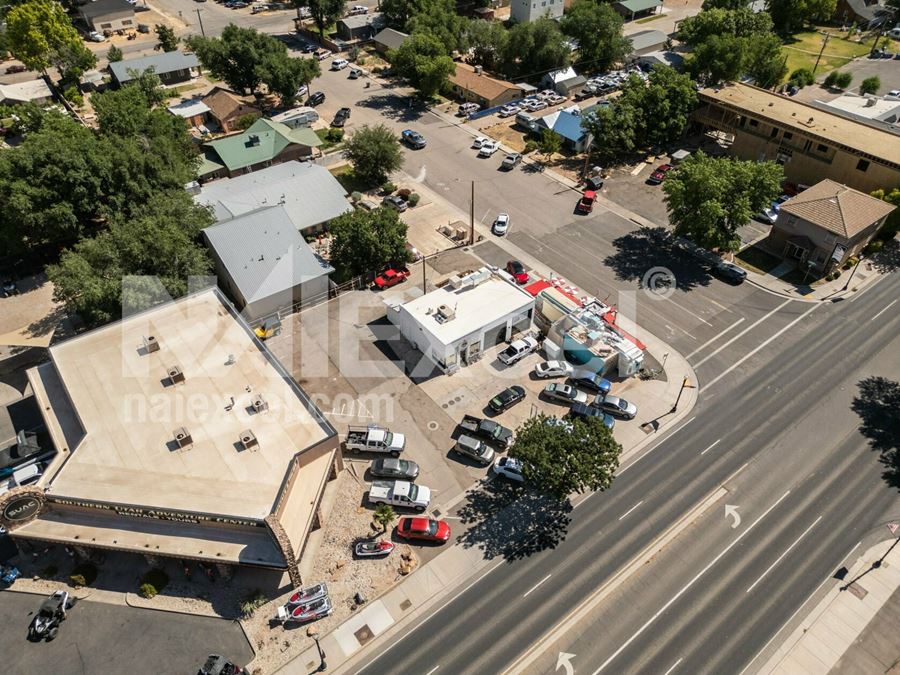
x,y
400,493
374,439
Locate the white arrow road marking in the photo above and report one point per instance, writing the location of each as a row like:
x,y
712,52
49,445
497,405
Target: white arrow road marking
x,y
564,660
536,585
732,511
788,550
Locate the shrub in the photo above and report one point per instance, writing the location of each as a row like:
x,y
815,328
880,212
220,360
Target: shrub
x,y
253,602
147,591
404,192
246,121
335,135
361,59
530,145
802,77
874,246
77,580
414,198
74,97
84,574
388,187
356,196
870,85
831,79
353,53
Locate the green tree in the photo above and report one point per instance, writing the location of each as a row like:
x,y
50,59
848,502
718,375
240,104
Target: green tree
x,y
114,55
384,516
870,85
598,30
892,224
710,198
40,34
422,59
741,22
802,77
365,241
439,18
764,60
719,58
487,40
549,144
323,12
374,152
397,12
165,38
534,48
161,241
725,4
614,129
789,16
662,105
564,458
246,121
838,80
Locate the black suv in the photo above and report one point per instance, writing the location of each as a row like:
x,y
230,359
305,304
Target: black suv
x,y
341,117
317,99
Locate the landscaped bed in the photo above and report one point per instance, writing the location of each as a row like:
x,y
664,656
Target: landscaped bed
x,y
757,260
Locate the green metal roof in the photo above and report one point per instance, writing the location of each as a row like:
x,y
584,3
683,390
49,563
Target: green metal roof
x,y
639,5
262,142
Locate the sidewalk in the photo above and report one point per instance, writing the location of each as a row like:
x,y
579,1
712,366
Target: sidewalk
x,y
830,635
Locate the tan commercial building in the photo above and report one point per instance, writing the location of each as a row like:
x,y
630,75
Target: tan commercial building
x,y
809,142
177,434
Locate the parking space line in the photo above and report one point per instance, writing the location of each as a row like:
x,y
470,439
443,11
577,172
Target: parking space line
x,y
711,447
527,593
715,337
883,311
744,332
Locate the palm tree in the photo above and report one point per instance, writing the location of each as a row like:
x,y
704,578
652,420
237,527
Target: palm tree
x,y
384,516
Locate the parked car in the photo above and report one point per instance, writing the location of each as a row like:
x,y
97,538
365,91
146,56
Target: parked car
x,y
488,149
509,110
659,175
512,160
317,98
534,106
517,271
509,467
553,369
423,529
321,53
395,202
564,393
95,36
391,277
15,68
770,213
467,109
501,224
587,379
488,430
474,449
728,271
518,350
478,141
584,410
339,64
507,398
390,467
341,117
355,73
413,139
616,406
400,493
373,438
358,9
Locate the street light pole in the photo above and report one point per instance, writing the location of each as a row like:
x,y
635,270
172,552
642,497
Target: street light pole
x,y
850,278
685,384
322,665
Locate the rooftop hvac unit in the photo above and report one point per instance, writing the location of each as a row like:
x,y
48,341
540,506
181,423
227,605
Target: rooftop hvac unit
x,y
248,439
446,313
454,282
151,344
260,404
175,375
183,437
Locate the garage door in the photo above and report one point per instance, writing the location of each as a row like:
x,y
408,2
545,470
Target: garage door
x,y
494,336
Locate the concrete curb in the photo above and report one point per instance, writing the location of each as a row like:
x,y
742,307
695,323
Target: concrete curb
x,y
134,600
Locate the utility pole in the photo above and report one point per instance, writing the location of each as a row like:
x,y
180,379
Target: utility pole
x,y
424,290
472,217
202,32
824,42
685,384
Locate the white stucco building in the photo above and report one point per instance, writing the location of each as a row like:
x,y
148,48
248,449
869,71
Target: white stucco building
x,y
523,11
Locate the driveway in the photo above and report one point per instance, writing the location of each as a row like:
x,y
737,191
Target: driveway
x,y
102,638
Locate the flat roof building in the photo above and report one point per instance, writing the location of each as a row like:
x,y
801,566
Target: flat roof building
x,y
809,142
454,324
177,434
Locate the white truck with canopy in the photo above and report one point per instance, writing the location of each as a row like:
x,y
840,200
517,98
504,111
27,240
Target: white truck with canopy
x,y
375,439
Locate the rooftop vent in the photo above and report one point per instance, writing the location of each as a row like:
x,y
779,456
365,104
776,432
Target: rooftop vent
x,y
175,375
183,437
253,140
151,344
248,440
260,404
445,313
478,70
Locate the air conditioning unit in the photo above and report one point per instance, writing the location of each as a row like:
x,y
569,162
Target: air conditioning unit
x,y
151,344
183,437
259,403
446,313
248,439
175,375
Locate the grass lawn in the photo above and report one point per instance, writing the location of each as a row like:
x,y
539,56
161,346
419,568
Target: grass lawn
x,y
328,143
348,179
803,48
757,260
648,19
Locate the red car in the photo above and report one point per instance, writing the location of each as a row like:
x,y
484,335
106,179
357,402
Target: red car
x,y
659,175
517,270
391,277
586,203
425,529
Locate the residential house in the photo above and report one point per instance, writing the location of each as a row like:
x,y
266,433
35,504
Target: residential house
x,y
388,39
171,68
647,41
524,11
310,195
809,142
565,81
265,264
194,111
263,144
226,108
826,224
472,84
107,16
636,9
359,28
661,58
864,13
32,91
566,123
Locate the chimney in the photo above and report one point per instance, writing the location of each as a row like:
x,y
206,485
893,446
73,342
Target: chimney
x,y
151,344
183,437
175,374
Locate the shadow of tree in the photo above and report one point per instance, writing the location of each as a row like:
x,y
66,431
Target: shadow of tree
x,y
648,247
395,106
512,521
877,404
888,258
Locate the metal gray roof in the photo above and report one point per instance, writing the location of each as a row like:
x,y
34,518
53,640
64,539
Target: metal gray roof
x,y
167,62
264,253
309,193
647,38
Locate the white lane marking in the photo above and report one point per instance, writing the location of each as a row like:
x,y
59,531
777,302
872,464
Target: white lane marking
x,y
761,346
713,339
674,666
869,287
530,590
883,311
720,305
646,307
787,550
711,447
685,309
432,670
744,332
631,509
684,590
796,612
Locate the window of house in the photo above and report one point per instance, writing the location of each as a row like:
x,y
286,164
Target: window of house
x,y
822,148
788,135
754,123
774,132
105,25
783,156
862,165
806,146
126,22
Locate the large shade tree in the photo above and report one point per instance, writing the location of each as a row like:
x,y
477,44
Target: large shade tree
x,y
363,242
423,60
598,29
40,34
374,152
